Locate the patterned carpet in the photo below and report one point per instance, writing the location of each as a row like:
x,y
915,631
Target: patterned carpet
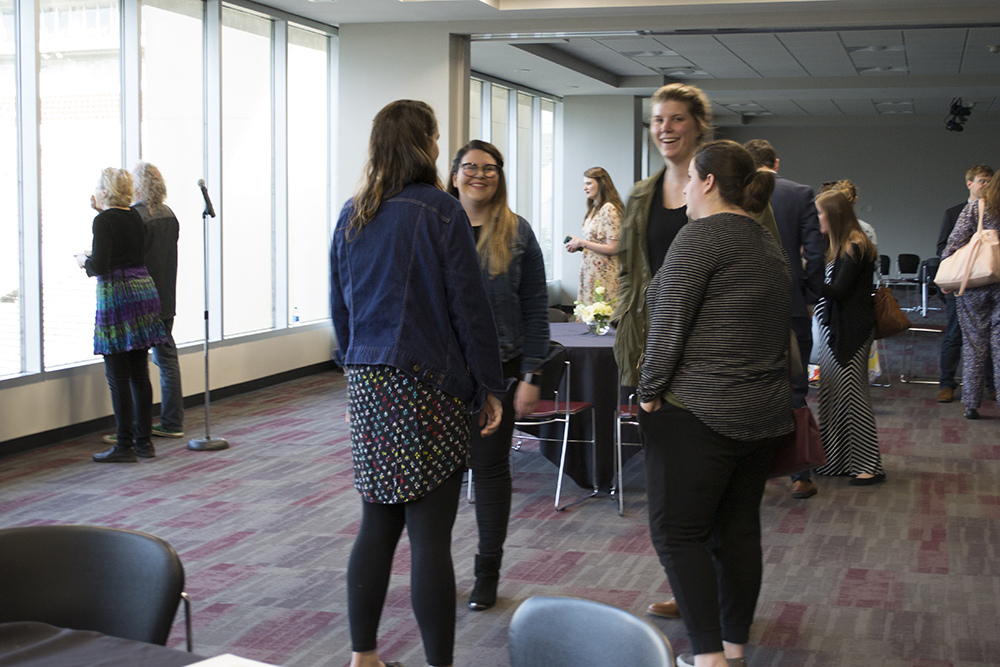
x,y
904,574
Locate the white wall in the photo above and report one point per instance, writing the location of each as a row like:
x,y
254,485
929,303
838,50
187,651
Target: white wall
x,y
906,175
383,62
598,131
81,394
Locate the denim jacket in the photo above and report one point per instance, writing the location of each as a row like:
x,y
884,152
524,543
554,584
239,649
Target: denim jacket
x,y
520,302
400,295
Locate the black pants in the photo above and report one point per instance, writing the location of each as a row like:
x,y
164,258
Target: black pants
x,y
704,519
428,522
490,459
128,372
802,326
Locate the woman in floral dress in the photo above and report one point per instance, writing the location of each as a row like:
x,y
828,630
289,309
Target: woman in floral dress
x,y
601,226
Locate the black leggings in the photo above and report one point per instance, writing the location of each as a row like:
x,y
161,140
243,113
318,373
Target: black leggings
x,y
428,522
490,463
131,396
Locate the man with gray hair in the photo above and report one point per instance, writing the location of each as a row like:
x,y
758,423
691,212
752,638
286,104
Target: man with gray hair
x,y
162,232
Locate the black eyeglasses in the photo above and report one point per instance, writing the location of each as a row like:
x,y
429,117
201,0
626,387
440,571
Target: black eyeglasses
x,y
473,169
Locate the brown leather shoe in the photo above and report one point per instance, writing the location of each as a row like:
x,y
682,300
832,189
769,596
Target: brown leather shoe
x,y
946,395
804,488
666,609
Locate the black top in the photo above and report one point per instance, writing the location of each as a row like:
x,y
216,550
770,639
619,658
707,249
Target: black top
x,y
850,309
119,241
162,232
664,223
948,224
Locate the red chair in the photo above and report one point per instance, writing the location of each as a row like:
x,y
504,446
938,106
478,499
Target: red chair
x,y
556,383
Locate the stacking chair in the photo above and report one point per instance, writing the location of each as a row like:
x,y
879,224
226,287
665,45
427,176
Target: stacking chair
x,y
560,409
884,265
571,632
117,582
907,270
628,415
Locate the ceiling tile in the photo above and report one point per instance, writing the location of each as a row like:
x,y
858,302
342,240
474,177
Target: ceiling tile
x,y
764,53
871,37
819,107
707,53
935,51
819,53
856,107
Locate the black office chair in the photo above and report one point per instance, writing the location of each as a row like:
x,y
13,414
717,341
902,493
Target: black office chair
x,y
884,265
907,266
571,632
117,582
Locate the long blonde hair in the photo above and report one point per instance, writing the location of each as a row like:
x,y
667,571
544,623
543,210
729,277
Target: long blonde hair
x,y
606,192
398,155
498,231
844,228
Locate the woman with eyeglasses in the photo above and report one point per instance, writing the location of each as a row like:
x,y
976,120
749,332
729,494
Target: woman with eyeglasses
x,y
601,226
511,264
419,349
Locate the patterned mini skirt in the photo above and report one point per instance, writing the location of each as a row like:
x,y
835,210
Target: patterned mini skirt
x,y
128,312
407,437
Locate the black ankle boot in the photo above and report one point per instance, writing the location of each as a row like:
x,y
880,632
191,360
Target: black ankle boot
x,y
484,594
117,454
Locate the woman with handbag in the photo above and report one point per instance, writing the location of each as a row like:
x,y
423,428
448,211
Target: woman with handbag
x,y
978,307
846,312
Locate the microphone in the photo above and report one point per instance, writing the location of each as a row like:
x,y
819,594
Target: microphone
x,y
209,211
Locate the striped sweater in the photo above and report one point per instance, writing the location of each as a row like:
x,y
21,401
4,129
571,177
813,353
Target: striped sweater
x,y
720,314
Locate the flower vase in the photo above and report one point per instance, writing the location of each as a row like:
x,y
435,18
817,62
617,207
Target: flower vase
x,y
599,327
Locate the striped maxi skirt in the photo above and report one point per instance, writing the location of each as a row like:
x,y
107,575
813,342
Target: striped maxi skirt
x,y
846,418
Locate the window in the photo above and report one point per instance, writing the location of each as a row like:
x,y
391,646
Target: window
x,y
498,136
10,251
308,175
246,207
530,163
80,135
172,83
475,109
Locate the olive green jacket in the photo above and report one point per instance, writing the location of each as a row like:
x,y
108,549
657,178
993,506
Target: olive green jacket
x,y
631,316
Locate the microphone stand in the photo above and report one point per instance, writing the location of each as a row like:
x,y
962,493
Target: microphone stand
x,y
208,443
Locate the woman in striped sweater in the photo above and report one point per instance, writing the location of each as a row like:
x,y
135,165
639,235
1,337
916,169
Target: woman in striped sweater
x,y
716,398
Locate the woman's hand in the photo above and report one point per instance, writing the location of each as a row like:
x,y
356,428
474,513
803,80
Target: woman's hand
x,y
489,416
652,406
526,398
574,244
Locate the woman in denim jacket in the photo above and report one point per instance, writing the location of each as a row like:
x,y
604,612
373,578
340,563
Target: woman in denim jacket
x,y
514,271
417,341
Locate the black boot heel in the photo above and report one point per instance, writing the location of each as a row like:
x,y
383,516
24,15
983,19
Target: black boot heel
x,y
484,593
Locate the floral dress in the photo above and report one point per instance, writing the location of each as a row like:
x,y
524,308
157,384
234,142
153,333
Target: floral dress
x,y
603,227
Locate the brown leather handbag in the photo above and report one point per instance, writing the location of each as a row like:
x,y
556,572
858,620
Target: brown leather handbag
x,y
889,317
802,449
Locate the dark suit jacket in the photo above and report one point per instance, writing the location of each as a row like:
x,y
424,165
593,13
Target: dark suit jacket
x,y
948,224
798,225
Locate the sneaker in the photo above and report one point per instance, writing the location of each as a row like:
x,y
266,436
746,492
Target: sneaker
x,y
161,431
116,454
111,439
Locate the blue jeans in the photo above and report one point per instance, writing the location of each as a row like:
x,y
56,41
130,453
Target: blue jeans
x,y
802,326
171,395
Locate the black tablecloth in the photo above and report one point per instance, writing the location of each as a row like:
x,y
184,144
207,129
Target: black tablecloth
x,y
594,379
28,644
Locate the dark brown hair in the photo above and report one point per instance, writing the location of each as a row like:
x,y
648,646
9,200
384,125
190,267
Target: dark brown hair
x,y
606,192
497,235
398,155
762,152
739,182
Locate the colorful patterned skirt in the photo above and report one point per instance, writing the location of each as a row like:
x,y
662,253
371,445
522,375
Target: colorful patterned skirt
x,y
407,437
128,312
